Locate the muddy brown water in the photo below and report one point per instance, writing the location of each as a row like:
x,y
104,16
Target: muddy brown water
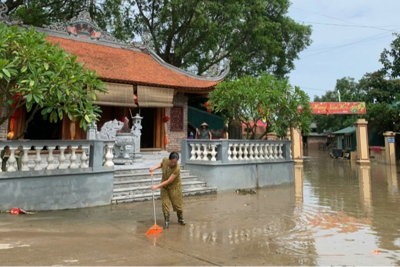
x,y
336,213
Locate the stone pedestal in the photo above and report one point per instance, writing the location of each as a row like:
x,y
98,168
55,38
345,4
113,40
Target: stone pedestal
x,y
297,145
123,141
390,148
362,141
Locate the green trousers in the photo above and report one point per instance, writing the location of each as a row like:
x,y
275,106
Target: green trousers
x,y
171,195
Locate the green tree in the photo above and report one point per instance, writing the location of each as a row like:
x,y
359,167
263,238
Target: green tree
x,y
254,35
382,96
348,90
40,76
390,58
251,99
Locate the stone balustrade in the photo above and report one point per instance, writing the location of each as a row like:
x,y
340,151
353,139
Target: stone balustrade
x,y
235,151
38,155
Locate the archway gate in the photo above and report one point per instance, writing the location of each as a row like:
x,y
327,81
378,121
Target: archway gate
x,y
343,108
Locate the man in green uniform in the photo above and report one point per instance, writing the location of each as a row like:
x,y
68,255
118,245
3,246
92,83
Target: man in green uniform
x,y
171,187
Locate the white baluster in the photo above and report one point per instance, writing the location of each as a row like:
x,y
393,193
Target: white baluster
x,y
50,158
275,151
109,154
198,152
62,165
246,151
261,151
251,147
213,153
241,152
38,159
193,152
73,158
256,151
84,157
12,160
280,151
290,146
229,152
205,152
25,158
271,156
234,152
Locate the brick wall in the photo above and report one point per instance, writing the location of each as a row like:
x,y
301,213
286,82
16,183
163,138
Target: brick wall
x,y
175,138
4,127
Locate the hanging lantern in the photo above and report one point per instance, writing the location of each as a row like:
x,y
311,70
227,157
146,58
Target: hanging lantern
x,y
206,105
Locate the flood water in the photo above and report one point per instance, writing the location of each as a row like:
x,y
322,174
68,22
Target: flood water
x,y
336,213
351,211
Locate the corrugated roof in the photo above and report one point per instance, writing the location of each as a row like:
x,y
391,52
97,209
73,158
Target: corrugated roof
x,y
123,65
347,130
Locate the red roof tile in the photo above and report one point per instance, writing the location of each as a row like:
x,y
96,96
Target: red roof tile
x,y
124,65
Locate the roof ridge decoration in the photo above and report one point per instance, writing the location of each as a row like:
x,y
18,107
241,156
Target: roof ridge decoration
x,y
4,17
82,26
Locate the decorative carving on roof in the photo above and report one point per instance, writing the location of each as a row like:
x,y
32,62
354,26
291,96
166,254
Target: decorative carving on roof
x,y
82,26
4,17
144,45
57,26
217,70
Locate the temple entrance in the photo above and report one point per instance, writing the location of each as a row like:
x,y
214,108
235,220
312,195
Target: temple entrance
x,y
152,130
41,129
148,127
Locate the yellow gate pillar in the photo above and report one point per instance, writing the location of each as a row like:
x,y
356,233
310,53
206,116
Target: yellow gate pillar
x,y
297,145
390,148
362,141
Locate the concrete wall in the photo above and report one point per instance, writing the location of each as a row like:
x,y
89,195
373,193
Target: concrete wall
x,y
237,176
174,137
73,189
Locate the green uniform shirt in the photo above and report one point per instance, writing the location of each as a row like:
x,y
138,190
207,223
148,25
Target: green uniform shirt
x,y
167,171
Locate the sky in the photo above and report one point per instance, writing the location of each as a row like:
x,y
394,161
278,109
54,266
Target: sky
x,y
350,48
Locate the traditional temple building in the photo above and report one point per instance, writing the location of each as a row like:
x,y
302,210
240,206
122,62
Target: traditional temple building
x,y
138,81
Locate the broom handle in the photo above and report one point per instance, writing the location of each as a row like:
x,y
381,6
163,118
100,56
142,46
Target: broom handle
x,y
154,204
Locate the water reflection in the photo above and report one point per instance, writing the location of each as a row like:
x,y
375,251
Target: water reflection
x,y
298,182
364,177
391,176
336,212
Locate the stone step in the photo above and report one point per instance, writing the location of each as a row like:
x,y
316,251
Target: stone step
x,y
148,195
140,176
147,181
131,170
146,188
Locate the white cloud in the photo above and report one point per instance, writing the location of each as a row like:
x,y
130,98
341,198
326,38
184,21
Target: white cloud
x,y
321,71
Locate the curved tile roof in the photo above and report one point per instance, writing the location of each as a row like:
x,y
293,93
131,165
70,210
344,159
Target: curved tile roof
x,y
128,66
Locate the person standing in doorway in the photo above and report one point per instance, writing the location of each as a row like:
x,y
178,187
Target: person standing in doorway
x,y
171,187
204,133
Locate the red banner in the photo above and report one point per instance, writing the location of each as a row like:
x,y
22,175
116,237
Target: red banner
x,y
338,107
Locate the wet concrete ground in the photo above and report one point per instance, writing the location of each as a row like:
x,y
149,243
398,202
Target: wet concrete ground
x,y
336,213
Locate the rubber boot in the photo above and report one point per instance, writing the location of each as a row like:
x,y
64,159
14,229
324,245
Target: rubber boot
x,y
180,218
166,217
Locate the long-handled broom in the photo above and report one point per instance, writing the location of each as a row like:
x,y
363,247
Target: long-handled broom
x,y
155,229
